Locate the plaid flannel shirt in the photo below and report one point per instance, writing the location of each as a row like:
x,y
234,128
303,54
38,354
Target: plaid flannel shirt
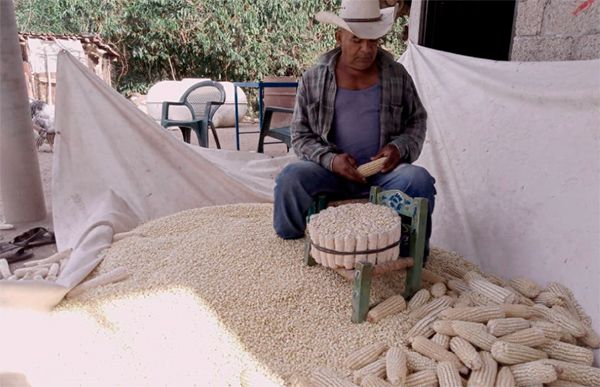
x,y
402,116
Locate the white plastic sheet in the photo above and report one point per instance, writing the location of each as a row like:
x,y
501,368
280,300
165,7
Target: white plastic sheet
x,y
515,149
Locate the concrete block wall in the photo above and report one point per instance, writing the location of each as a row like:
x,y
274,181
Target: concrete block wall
x,y
553,30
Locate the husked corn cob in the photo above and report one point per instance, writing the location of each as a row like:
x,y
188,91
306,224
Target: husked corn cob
x,y
525,286
441,339
115,275
591,338
463,300
419,299
496,280
374,381
438,289
505,378
495,293
512,353
376,368
550,330
517,310
394,304
568,352
533,373
478,337
505,326
563,320
448,375
434,306
373,167
549,299
417,362
564,383
425,378
295,381
531,337
423,327
456,271
478,299
568,338
324,377
466,353
431,277
473,314
576,373
486,375
444,327
396,365
366,355
521,299
434,351
458,285
572,302
471,275
452,294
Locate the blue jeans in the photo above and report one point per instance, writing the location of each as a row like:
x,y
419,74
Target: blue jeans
x,y
300,183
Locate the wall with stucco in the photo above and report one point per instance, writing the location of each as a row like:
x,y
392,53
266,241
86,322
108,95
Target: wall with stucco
x,y
554,30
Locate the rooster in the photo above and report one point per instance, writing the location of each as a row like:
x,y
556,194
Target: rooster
x,y
42,117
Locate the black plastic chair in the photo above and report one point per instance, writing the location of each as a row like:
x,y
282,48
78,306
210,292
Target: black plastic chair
x,y
282,134
202,99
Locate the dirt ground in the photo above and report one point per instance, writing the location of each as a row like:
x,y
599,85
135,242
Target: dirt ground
x,y
248,142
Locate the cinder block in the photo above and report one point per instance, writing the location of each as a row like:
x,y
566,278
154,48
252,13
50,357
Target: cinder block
x,y
560,18
530,49
587,47
530,14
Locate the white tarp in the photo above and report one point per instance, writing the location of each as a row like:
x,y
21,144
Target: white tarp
x,y
515,149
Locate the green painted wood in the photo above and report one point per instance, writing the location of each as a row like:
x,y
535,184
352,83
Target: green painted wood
x,y
374,194
417,247
361,292
308,259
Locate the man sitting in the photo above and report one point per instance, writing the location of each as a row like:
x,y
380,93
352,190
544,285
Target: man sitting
x,y
357,104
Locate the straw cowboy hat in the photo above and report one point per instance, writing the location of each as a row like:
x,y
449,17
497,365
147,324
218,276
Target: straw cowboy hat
x,y
363,18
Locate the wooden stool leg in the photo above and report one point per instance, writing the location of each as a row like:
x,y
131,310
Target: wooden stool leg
x,y
417,248
361,292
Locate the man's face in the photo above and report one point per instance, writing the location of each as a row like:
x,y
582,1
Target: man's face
x,y
358,54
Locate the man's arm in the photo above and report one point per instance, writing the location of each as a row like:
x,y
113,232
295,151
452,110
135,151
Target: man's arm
x,y
307,143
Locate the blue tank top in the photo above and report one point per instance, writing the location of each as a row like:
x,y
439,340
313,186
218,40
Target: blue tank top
x,y
356,122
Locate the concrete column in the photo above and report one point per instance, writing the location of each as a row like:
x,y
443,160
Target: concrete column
x,y
20,181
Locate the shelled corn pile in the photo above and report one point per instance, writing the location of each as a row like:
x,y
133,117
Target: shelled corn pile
x,y
288,318
477,331
357,227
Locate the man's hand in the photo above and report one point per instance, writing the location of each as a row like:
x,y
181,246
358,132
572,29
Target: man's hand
x,y
393,157
345,166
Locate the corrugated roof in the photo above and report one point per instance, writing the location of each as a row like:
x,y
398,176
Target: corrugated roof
x,y
89,39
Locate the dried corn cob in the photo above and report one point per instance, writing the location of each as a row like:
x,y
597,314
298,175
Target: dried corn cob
x,y
434,306
567,338
516,310
531,337
434,351
550,330
294,381
438,289
394,304
116,275
422,328
505,378
525,286
577,373
452,294
533,373
496,280
572,302
568,352
324,377
471,275
478,337
455,271
366,355
591,338
419,299
512,353
564,383
563,320
463,300
431,277
466,353
396,365
473,314
521,299
448,375
486,375
478,299
458,285
376,368
442,340
495,293
4,269
373,167
506,326
424,378
549,299
444,327
51,259
417,362
374,381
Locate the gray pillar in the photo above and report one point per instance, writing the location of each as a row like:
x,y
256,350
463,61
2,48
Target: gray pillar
x,y
20,181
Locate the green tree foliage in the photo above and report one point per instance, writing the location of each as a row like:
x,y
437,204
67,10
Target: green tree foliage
x,y
175,39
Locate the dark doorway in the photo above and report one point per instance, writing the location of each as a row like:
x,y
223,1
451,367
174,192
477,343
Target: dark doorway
x,y
479,28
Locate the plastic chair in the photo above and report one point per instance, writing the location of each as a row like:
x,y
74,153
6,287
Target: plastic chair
x,y
414,220
202,99
281,133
